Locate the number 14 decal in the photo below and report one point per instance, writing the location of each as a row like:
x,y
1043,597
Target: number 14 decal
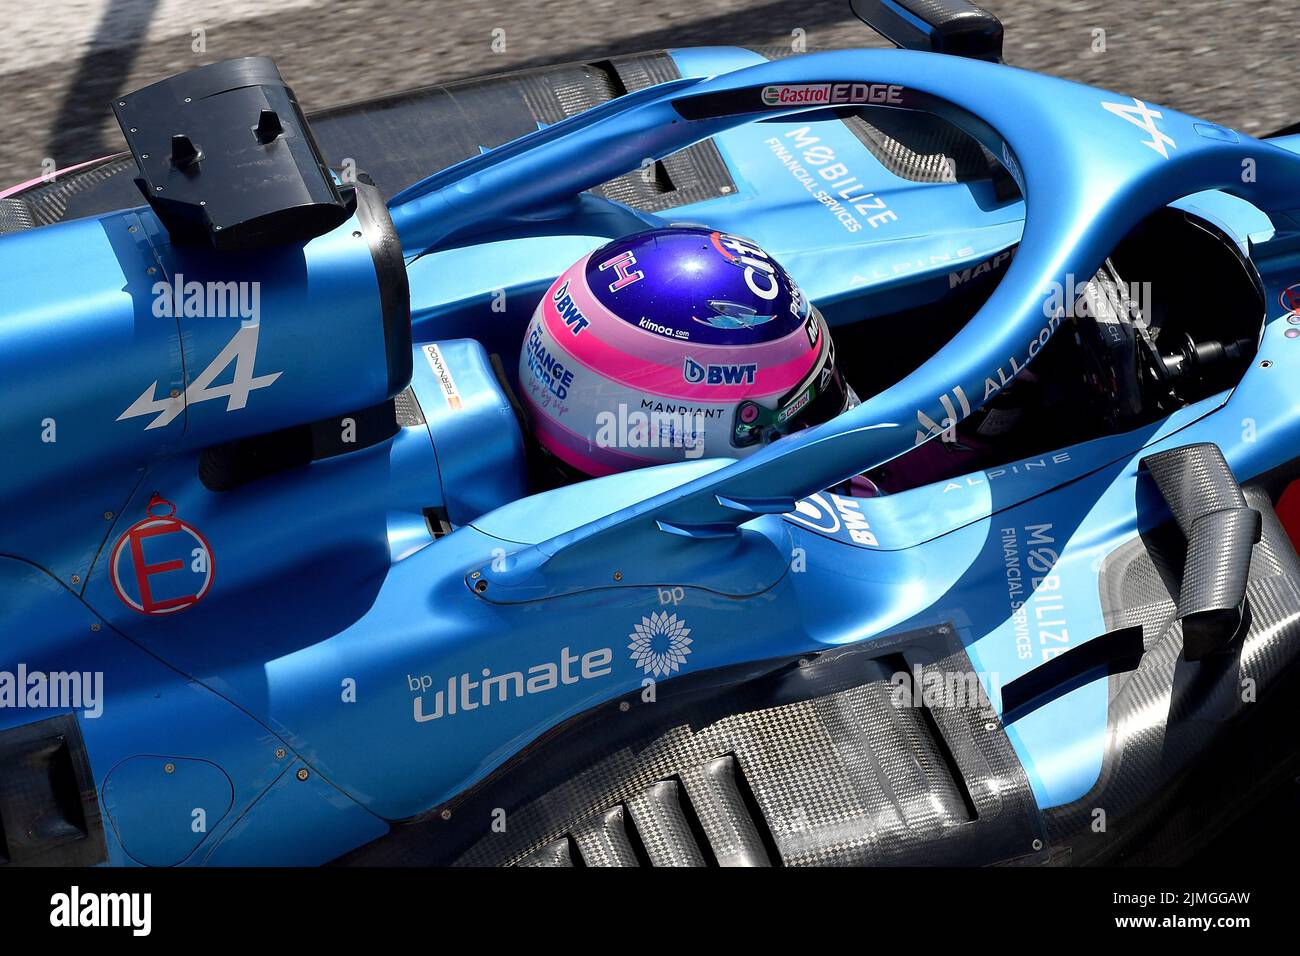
x,y
242,350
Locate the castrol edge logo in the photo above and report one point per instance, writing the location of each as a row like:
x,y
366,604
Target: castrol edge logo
x,y
828,94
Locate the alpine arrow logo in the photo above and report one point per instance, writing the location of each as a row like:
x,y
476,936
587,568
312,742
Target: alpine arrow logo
x,y
241,350
1144,118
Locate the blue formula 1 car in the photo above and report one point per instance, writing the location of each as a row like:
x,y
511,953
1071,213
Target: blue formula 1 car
x,y
292,572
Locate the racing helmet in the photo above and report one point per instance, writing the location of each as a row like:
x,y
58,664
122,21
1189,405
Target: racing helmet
x,y
674,344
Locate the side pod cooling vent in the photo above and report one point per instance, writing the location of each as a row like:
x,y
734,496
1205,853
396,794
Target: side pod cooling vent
x,y
49,815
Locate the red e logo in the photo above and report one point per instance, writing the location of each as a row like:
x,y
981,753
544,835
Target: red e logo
x,y
179,558
1291,299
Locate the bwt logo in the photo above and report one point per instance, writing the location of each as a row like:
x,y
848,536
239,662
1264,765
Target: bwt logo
x,y
695,373
568,310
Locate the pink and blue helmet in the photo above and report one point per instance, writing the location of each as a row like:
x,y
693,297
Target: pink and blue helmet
x,y
674,344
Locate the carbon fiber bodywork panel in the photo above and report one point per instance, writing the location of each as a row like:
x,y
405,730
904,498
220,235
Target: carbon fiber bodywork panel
x,y
920,147
1189,744
15,215
96,189
1210,510
812,763
407,408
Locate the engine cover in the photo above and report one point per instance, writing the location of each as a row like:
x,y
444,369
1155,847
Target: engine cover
x,y
146,345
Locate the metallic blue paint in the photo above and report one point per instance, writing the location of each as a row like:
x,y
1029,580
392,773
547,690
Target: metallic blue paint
x,y
339,634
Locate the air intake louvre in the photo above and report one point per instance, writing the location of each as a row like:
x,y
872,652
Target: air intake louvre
x,y
557,854
668,826
737,834
718,824
605,841
855,773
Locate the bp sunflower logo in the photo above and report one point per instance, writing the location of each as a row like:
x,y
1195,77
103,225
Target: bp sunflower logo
x,y
660,644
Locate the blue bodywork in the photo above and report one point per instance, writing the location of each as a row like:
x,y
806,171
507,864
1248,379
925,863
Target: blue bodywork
x,y
348,667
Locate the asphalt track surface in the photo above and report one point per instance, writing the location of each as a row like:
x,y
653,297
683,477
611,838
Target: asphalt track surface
x,y
1230,61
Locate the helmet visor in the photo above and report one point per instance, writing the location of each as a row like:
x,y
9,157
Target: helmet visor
x,y
818,398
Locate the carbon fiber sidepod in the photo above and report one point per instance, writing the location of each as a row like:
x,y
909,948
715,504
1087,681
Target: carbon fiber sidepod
x,y
831,760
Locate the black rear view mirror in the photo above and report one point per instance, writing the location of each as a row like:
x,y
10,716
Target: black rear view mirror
x,y
957,27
